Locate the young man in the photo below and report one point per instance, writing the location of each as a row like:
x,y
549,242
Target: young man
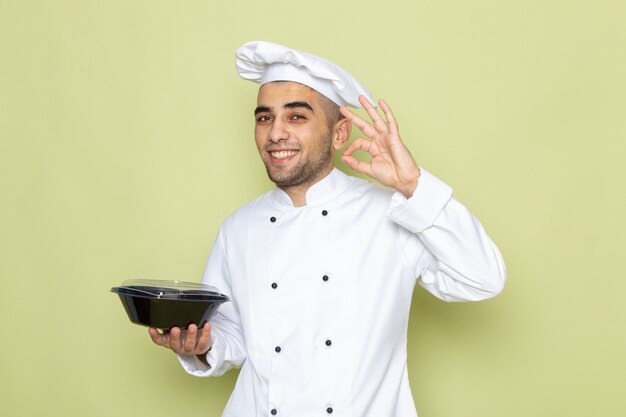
x,y
321,270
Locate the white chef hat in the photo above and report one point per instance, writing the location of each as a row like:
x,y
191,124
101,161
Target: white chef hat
x,y
264,62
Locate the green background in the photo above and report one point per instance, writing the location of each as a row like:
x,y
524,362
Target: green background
x,y
126,138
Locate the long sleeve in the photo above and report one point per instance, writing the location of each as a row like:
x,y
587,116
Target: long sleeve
x,y
458,262
228,349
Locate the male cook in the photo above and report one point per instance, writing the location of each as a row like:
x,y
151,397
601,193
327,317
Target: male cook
x,y
321,269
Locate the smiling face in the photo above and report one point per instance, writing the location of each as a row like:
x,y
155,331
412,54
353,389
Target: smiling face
x,y
293,135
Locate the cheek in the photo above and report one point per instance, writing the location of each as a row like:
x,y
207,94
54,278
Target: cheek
x,y
259,137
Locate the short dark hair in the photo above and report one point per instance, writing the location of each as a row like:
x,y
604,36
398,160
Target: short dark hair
x,y
331,110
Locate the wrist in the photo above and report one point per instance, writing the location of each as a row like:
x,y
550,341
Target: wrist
x,y
408,189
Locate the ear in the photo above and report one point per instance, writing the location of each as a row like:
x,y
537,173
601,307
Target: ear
x,y
341,133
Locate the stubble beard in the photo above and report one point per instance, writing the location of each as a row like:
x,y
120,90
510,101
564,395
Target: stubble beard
x,y
307,170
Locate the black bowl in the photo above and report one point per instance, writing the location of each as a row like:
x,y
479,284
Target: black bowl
x,y
166,307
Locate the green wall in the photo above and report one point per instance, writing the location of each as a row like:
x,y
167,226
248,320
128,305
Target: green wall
x,y
126,138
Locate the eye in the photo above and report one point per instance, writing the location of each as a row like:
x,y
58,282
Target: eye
x,y
298,117
263,118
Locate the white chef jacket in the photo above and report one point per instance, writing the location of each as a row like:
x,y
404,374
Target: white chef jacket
x,y
321,294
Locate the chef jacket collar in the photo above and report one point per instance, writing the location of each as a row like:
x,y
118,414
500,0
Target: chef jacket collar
x,y
321,192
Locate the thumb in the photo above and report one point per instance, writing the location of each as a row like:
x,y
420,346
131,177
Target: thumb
x,y
356,165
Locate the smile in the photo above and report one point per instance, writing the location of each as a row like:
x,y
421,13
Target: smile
x,y
282,154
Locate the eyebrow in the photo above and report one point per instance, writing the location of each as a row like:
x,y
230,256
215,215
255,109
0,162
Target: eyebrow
x,y
297,104
261,109
290,105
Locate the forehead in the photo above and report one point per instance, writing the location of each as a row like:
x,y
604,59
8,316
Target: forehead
x,y
279,92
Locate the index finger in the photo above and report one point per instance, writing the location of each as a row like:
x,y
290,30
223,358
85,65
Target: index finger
x,y
365,127
157,338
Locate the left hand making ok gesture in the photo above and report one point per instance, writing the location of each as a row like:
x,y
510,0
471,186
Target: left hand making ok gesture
x,y
392,164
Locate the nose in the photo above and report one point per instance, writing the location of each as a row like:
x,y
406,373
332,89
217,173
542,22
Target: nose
x,y
278,132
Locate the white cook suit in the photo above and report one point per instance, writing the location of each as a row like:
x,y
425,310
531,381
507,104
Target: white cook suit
x,y
321,294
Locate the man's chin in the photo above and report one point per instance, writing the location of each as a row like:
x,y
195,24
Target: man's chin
x,y
294,176
285,179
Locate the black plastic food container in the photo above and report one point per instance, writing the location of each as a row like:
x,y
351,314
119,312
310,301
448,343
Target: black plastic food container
x,y
165,304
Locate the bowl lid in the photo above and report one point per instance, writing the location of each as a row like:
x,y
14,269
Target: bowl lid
x,y
169,289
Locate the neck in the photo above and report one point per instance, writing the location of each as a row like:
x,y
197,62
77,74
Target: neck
x,y
297,193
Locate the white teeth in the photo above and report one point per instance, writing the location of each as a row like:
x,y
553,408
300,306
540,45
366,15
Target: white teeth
x,y
282,154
